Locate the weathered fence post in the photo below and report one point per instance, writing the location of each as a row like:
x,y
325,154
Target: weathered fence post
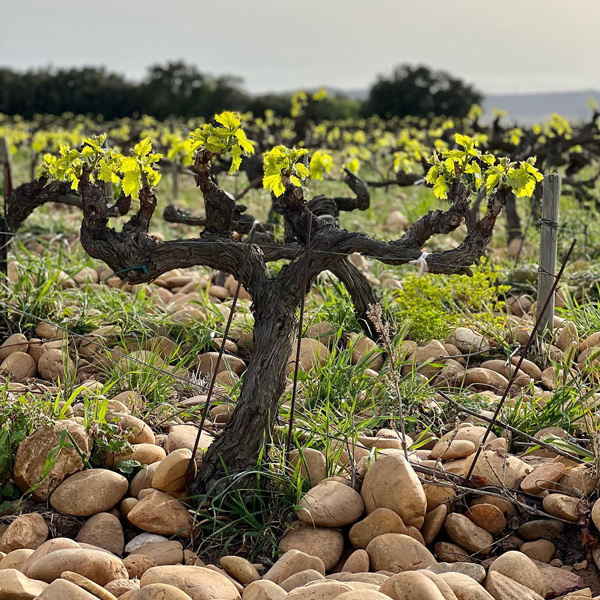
x,y
109,193
5,164
4,243
548,249
6,192
175,175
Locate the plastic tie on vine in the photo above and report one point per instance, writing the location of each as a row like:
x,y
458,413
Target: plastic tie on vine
x,y
421,262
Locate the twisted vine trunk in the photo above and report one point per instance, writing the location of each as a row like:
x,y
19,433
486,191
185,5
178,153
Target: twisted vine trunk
x,y
140,258
263,384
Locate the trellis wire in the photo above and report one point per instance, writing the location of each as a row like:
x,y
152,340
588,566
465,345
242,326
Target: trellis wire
x,y
418,468
98,344
524,352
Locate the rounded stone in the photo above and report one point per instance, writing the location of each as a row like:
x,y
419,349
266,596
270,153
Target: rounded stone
x,y
240,569
293,562
357,562
506,588
521,569
544,477
542,550
170,474
448,552
46,548
579,480
313,354
467,535
596,514
52,365
15,559
362,595
380,521
311,464
118,587
26,531
61,589
434,521
19,365
17,342
366,350
541,529
98,566
451,450
168,552
475,571
105,531
89,492
471,433
467,340
138,564
198,583
498,469
33,452
145,454
159,591
300,579
465,588
322,542
488,517
397,553
16,586
89,586
319,590
564,507
264,590
411,584
139,432
160,513
392,483
331,504
438,495
142,479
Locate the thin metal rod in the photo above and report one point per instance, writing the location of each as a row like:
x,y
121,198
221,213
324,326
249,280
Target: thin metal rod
x,y
213,378
521,359
514,430
299,342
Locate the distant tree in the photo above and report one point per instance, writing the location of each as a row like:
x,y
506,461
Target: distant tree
x,y
280,104
179,89
174,89
333,108
87,90
421,92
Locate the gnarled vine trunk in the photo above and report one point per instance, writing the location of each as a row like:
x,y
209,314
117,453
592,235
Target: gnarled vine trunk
x,y
263,384
139,258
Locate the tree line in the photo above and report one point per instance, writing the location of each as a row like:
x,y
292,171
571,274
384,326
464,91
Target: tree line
x,y
177,89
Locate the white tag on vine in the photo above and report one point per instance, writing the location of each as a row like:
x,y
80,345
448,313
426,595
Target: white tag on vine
x,y
421,262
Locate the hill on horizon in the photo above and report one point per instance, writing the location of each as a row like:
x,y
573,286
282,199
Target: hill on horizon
x,y
524,108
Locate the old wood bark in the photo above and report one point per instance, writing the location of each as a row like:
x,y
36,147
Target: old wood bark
x,y
275,298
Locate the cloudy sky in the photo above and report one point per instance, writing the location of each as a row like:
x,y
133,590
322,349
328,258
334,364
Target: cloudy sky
x,y
504,46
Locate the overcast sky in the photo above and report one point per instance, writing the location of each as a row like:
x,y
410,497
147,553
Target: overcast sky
x,y
501,46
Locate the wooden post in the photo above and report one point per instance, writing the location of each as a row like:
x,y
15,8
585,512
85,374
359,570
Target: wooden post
x,y
5,237
5,164
548,249
175,175
109,193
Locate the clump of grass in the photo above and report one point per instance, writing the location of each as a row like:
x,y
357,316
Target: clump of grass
x,y
248,512
530,414
36,293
